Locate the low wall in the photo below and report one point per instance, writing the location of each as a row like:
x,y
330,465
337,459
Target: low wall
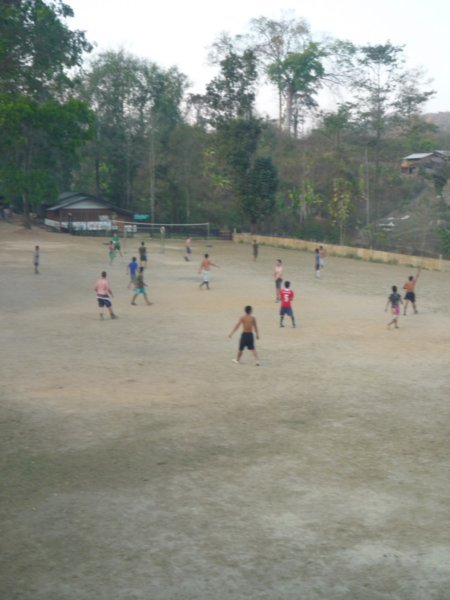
x,y
436,264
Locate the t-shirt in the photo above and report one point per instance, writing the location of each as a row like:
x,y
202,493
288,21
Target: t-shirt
x,y
286,296
394,299
133,267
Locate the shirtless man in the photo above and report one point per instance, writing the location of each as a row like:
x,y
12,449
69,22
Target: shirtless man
x,y
249,325
104,295
188,249
278,276
410,295
205,268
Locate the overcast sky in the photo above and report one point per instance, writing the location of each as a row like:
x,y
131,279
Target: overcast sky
x,y
179,32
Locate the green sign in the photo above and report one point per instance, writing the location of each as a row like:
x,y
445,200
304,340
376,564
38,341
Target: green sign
x,y
139,217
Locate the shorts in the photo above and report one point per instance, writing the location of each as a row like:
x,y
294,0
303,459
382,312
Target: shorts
x,y
205,275
396,310
104,301
286,310
411,296
188,250
143,258
117,246
139,291
278,283
247,341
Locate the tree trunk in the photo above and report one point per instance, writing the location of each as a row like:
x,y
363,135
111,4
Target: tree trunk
x,y
26,211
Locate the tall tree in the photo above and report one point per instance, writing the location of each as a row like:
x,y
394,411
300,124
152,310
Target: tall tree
x,y
137,105
230,100
37,120
37,47
273,41
383,99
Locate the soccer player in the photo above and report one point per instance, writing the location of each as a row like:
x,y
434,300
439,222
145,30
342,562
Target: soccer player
x,y
247,340
111,252
255,249
278,276
140,287
322,254
143,255
410,296
317,261
36,257
116,242
104,295
132,270
188,249
394,300
205,270
287,295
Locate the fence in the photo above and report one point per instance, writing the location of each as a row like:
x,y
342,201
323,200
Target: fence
x,y
435,264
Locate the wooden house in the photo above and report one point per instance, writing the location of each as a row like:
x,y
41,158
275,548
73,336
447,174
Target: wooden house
x,y
77,212
429,161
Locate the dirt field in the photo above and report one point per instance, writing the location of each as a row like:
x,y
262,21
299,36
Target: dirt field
x,y
139,462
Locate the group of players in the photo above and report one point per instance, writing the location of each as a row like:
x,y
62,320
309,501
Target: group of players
x,y
283,292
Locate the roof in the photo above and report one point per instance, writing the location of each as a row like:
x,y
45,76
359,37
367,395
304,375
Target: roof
x,y
71,199
418,155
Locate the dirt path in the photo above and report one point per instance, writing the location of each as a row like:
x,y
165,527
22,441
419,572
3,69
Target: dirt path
x,y
138,462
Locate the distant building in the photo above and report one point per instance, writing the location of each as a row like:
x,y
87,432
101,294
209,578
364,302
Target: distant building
x,y
77,212
429,161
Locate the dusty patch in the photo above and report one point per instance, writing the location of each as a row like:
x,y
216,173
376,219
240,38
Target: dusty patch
x,y
139,462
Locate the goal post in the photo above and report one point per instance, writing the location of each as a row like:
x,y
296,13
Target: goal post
x,y
161,231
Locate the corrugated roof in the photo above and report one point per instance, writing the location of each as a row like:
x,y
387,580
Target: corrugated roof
x,y
69,198
418,155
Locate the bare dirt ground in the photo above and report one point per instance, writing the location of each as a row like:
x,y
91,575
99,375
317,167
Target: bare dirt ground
x,y
139,462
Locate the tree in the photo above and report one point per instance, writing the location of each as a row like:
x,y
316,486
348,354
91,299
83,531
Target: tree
x,y
273,41
386,97
339,207
37,48
137,106
40,127
258,190
231,95
298,77
39,146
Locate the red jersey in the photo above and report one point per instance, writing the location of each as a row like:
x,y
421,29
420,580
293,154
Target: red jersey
x,y
287,295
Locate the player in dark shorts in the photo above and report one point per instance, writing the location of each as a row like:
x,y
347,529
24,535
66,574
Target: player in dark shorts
x,y
143,254
287,295
410,296
247,340
104,295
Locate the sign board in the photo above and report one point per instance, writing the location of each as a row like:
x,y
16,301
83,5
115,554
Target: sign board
x,y
139,217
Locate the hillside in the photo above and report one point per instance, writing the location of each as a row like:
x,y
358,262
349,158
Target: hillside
x,y
440,119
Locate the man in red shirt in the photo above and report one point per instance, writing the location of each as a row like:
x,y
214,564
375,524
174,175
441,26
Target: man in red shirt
x,y
287,295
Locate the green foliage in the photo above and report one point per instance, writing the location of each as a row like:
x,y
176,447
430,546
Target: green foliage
x,y
39,144
231,95
137,108
340,204
258,189
37,47
444,239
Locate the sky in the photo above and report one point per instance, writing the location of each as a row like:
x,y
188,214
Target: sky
x,y
179,32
